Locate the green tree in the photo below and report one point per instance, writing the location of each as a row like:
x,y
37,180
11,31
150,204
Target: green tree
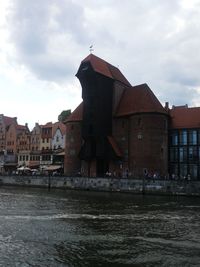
x,y
64,115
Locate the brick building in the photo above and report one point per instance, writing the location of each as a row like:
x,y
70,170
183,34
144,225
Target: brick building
x,y
118,128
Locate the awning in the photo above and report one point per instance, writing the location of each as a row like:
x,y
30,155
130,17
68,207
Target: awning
x,y
52,168
23,168
114,146
60,154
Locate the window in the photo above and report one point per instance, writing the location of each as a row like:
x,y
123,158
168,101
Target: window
x,y
182,154
193,137
72,152
199,153
183,137
193,156
174,168
174,138
173,154
193,171
183,170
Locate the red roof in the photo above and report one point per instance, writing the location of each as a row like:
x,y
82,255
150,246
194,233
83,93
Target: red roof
x,y
101,66
184,117
47,125
77,114
139,99
21,127
59,125
114,146
9,120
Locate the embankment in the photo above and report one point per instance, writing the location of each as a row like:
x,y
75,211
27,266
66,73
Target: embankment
x,y
137,186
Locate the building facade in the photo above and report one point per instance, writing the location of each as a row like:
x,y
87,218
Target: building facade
x,y
118,128
184,142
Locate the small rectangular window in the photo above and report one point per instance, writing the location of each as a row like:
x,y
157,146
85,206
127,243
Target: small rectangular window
x,y
193,137
183,137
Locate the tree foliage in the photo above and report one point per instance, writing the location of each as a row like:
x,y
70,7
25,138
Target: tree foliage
x,y
64,115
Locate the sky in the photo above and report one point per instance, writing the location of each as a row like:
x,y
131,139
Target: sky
x,y
43,42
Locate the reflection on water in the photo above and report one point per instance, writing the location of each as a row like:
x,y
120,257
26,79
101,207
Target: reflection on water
x,y
73,228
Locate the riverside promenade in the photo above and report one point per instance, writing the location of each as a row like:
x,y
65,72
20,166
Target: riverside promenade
x,y
135,186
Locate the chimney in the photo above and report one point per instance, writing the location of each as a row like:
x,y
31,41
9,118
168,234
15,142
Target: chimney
x,y
166,105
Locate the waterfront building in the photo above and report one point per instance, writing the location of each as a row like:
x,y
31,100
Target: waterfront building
x,y
46,157
35,147
118,128
58,146
184,142
23,139
17,146
5,122
58,136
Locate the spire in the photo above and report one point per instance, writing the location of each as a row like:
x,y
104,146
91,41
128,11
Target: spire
x,y
91,49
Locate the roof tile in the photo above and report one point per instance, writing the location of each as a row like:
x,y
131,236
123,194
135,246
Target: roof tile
x,y
101,66
76,115
184,117
139,99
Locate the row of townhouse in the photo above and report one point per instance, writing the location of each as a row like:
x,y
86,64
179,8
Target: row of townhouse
x,y
43,148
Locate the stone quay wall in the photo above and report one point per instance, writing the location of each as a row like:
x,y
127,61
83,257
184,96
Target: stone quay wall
x,y
137,186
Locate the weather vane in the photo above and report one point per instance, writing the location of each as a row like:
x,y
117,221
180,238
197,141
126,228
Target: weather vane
x,y
91,49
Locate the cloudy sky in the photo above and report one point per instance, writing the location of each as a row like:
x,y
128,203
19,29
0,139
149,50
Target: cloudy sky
x,y
43,42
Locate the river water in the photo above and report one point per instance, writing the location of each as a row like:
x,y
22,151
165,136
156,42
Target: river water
x,y
74,228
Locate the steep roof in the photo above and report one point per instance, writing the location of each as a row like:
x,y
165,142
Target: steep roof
x,y
22,128
139,99
114,146
136,99
47,125
76,115
59,125
184,117
101,66
8,120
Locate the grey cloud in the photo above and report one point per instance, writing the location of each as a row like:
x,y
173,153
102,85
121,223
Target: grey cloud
x,y
45,35
151,41
179,95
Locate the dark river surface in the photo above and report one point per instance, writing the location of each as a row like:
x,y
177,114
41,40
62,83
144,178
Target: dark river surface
x,y
74,228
